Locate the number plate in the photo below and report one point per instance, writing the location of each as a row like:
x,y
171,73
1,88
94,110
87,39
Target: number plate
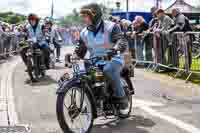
x,y
80,67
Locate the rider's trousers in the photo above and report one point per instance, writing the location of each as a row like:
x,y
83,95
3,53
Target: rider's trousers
x,y
46,52
112,69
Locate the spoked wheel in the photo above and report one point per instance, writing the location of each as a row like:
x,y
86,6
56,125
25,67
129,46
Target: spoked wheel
x,y
71,117
43,73
36,67
129,96
42,69
30,67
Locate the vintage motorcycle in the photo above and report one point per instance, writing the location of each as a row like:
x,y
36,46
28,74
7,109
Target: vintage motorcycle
x,y
34,59
87,94
52,56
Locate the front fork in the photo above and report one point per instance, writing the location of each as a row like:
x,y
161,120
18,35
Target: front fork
x,y
87,89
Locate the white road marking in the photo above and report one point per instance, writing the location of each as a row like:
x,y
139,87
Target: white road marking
x,y
7,92
6,83
13,118
146,106
140,103
4,112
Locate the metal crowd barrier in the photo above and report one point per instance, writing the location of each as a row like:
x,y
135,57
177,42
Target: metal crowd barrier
x,y
9,44
178,51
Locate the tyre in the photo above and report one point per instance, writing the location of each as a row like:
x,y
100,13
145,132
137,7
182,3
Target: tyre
x,y
36,68
43,73
29,67
66,106
129,96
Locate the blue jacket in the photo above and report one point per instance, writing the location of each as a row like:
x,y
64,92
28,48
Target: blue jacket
x,y
37,34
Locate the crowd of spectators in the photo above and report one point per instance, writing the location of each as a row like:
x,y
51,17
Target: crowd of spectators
x,y
10,36
159,47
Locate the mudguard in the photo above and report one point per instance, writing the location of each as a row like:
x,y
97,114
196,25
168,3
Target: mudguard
x,y
66,84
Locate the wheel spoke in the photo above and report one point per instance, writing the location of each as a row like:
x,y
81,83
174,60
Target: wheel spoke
x,y
82,122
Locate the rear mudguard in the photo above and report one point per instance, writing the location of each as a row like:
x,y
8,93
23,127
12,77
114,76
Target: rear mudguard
x,y
67,84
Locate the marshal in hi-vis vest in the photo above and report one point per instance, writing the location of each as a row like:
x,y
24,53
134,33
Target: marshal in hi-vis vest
x,y
97,45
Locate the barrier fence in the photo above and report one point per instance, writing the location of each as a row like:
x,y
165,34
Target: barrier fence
x,y
177,51
9,43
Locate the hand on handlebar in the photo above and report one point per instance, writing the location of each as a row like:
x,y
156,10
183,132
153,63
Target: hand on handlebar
x,y
111,52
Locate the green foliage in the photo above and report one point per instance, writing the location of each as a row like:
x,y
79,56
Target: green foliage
x,y
11,17
74,19
71,19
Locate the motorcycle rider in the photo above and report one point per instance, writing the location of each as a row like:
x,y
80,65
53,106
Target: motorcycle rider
x,y
99,36
55,37
33,31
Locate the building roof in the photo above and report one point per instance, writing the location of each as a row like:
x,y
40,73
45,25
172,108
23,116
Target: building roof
x,y
183,6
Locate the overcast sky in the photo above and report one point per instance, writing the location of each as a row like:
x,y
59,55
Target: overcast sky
x,y
62,7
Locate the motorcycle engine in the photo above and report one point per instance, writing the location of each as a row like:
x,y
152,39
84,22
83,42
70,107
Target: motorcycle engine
x,y
99,76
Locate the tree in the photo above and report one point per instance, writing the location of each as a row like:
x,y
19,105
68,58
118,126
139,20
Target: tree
x,y
71,19
12,18
74,19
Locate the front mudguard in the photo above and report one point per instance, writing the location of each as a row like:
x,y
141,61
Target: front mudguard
x,y
63,85
67,84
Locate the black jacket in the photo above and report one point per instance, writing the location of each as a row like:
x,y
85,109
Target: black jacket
x,y
143,27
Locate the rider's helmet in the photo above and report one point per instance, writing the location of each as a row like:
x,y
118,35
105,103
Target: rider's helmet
x,y
48,20
94,11
33,16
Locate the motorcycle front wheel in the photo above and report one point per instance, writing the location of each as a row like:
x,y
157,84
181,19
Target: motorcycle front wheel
x,y
71,116
129,96
29,64
36,67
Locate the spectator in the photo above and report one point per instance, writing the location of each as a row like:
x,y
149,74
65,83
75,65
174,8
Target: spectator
x,y
165,21
126,26
165,50
1,42
132,43
182,24
127,31
116,20
6,40
154,23
141,26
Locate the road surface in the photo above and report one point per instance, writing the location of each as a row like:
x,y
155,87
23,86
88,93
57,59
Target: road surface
x,y
33,107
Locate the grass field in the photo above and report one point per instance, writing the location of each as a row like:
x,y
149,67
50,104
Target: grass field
x,y
195,78
195,64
